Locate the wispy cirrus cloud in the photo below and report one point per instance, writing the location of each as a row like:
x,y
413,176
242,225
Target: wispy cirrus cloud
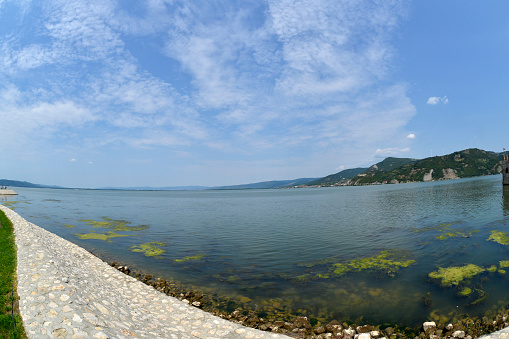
x,y
241,77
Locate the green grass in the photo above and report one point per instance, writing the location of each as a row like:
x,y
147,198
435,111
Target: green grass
x,y
11,325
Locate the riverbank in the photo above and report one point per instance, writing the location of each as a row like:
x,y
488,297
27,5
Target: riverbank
x,y
67,292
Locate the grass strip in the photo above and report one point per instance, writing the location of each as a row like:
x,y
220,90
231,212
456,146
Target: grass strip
x,y
11,325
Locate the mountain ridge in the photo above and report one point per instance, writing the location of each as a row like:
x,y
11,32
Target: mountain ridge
x,y
461,164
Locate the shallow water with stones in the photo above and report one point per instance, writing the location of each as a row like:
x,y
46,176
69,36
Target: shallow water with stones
x,y
362,254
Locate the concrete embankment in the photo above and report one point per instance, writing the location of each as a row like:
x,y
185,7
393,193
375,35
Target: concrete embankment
x,y
66,292
7,192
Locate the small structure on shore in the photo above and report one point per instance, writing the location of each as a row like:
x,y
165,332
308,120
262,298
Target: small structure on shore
x,y
505,169
5,191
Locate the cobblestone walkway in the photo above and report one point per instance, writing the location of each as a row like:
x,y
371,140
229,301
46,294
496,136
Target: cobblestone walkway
x,y
66,292
502,334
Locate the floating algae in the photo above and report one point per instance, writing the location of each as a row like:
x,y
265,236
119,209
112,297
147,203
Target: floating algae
x,y
194,257
492,269
465,292
504,263
456,274
482,296
115,225
150,249
440,227
499,237
12,204
100,236
386,262
69,226
446,231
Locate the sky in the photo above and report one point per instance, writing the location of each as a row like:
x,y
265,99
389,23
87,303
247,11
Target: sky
x,y
176,93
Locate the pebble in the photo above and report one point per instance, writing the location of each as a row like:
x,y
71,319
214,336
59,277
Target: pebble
x,y
66,292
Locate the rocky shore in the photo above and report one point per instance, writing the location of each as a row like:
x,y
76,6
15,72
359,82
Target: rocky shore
x,y
302,327
66,292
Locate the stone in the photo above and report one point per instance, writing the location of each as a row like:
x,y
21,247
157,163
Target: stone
x,y
302,322
449,327
363,336
319,330
459,334
429,325
364,329
60,332
349,331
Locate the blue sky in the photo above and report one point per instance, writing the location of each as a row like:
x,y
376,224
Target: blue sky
x,y
172,93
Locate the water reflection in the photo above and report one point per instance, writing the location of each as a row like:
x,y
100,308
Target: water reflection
x,y
505,192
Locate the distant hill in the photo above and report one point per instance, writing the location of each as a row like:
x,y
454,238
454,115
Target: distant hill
x,y
391,163
337,178
17,183
151,188
269,184
463,164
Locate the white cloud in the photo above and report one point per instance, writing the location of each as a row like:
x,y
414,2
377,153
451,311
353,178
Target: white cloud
x,y
437,100
27,118
260,77
411,136
72,160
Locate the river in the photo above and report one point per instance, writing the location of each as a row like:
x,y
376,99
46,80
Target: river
x,y
362,254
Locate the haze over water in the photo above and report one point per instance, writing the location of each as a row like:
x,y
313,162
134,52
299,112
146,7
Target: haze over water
x,y
276,249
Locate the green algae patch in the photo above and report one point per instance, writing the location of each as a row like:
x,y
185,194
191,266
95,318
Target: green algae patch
x,y
115,225
305,278
150,249
440,227
100,236
446,235
387,262
12,204
194,257
454,275
482,296
233,279
499,237
69,226
504,263
465,292
492,269
446,231
449,233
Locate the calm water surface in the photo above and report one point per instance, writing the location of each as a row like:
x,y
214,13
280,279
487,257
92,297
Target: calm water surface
x,y
275,250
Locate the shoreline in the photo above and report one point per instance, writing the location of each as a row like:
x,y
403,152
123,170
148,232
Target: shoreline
x,y
54,281
66,292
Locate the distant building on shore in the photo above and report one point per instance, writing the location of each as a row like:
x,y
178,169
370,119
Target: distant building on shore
x,y
505,169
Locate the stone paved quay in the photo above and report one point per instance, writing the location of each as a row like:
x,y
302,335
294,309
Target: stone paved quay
x,y
66,292
502,334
